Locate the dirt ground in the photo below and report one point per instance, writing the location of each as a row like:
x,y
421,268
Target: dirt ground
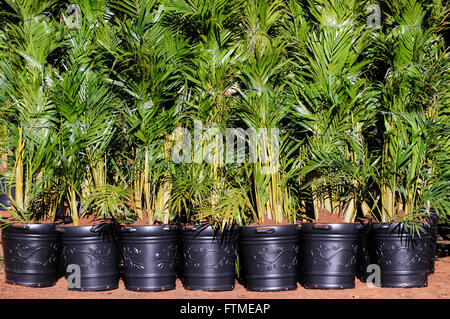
x,y
438,288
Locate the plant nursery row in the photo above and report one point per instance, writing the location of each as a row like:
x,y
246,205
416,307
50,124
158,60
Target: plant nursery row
x,y
266,141
269,258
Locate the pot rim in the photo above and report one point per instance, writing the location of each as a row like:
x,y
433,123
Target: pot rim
x,y
31,228
396,224
206,226
109,229
266,226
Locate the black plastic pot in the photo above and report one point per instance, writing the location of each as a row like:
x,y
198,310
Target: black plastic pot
x,y
239,269
149,254
403,259
31,254
209,257
179,260
95,250
269,257
433,221
329,255
443,233
5,202
364,258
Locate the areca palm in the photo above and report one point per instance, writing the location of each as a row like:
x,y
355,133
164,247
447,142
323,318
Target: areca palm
x,y
88,111
413,104
233,85
147,73
211,79
26,78
91,104
262,104
336,106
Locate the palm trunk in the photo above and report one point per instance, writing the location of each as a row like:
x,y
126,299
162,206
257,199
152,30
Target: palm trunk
x,y
147,189
350,211
19,183
138,196
4,160
387,202
316,202
327,200
73,206
365,209
19,172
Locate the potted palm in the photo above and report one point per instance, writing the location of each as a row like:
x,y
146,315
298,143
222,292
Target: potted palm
x,y
88,114
412,150
200,187
147,74
94,201
334,112
29,238
269,239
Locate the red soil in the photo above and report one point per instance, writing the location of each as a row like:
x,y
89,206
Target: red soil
x,y
86,221
83,221
140,223
6,216
438,288
327,217
269,222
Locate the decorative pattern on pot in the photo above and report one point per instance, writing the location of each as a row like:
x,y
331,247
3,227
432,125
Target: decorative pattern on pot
x,y
329,255
403,259
31,254
150,254
388,254
195,258
269,257
131,255
96,257
28,253
94,249
165,259
364,258
209,257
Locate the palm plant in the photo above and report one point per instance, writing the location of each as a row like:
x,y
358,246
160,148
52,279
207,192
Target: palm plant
x,y
262,104
147,74
335,107
199,20
413,104
211,80
28,40
263,107
229,80
88,112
